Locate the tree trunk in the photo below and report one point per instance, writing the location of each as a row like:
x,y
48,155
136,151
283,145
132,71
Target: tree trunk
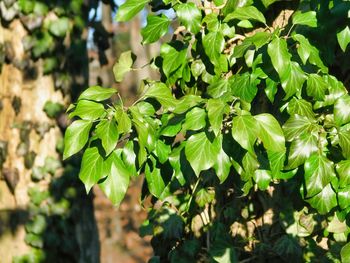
x,y
27,138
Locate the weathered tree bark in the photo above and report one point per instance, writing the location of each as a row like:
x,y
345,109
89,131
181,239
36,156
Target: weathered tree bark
x,y
24,90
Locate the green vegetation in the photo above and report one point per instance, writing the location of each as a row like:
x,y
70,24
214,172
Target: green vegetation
x,y
245,139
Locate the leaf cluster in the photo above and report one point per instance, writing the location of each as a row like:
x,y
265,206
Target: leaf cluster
x,y
250,116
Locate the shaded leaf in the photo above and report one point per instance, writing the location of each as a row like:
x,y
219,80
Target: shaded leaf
x,y
154,179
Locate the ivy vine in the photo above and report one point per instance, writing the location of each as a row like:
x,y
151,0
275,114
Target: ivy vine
x,y
244,141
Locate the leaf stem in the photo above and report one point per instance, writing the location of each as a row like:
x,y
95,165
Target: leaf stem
x,y
193,191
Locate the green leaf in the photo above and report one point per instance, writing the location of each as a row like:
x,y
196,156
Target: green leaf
x,y
172,59
245,130
308,52
76,136
307,18
200,152
59,27
245,24
280,57
203,197
53,109
157,26
292,82
345,253
190,16
288,246
344,38
343,170
246,13
259,39
197,68
117,182
214,44
301,149
325,200
88,110
270,133
344,197
92,168
295,126
97,93
300,107
124,122
250,165
344,142
319,172
262,178
195,119
267,3
171,125
186,103
223,163
107,131
129,158
211,21
316,87
123,66
216,109
342,110
276,160
146,129
243,87
162,94
271,89
218,88
222,251
130,9
162,151
154,179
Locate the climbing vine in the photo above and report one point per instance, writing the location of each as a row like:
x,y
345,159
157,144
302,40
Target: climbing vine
x,y
244,141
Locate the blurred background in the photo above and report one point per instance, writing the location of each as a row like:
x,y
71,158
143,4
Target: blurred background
x,y
50,51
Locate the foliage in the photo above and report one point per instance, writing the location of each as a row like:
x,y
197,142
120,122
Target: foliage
x,y
244,140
